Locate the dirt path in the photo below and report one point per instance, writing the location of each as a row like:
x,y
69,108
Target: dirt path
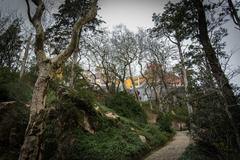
x,y
173,150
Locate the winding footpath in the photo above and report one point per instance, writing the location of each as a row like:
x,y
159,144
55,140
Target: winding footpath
x,y
173,150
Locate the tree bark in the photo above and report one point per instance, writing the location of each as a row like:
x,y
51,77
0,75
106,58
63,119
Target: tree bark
x,y
162,77
33,143
232,108
184,73
25,56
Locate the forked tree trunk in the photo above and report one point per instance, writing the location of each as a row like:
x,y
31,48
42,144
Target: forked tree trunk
x,y
33,143
232,108
32,147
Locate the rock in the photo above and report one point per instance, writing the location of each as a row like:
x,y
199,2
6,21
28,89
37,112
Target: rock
x,y
97,108
112,115
87,125
143,138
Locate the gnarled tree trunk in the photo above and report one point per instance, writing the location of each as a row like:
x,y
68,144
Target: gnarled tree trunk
x,y
33,142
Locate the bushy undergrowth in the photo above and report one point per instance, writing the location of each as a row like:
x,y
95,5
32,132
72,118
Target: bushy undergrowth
x,y
181,114
198,152
13,89
116,139
164,122
13,122
125,105
211,127
66,138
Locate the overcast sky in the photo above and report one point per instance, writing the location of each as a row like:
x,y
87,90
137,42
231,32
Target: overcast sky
x,y
134,14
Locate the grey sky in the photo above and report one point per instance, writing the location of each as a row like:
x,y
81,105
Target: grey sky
x,y
134,14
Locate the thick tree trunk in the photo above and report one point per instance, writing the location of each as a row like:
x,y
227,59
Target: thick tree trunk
x,y
33,143
184,72
232,108
25,56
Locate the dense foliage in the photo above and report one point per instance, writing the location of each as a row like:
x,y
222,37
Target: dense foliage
x,y
126,105
112,138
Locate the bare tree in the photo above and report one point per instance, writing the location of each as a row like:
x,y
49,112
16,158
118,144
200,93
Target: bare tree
x,y
125,46
100,54
154,54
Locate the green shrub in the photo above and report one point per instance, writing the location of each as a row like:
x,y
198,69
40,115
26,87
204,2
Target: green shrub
x,y
125,105
109,143
164,122
198,152
181,114
116,139
155,136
